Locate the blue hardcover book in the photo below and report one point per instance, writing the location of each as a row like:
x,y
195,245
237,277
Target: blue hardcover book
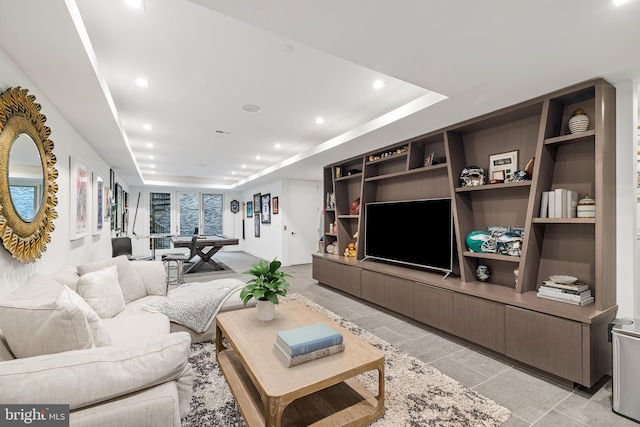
x,y
308,338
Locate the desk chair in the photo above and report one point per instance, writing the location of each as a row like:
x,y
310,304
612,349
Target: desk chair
x,y
122,246
176,262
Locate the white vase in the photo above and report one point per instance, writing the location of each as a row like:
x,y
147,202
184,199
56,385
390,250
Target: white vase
x,y
266,310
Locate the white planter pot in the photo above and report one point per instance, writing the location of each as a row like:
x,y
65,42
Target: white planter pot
x,y
266,310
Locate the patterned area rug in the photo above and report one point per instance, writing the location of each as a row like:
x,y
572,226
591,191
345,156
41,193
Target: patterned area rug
x,y
415,394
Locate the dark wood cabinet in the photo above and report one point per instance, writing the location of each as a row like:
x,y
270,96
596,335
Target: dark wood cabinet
x,y
546,342
565,340
434,307
480,321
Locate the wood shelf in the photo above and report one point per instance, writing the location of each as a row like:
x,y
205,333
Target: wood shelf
x,y
489,187
583,247
421,170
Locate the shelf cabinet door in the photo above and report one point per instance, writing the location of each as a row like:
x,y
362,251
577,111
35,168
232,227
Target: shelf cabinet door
x,y
434,307
546,342
351,280
399,295
327,272
480,321
372,288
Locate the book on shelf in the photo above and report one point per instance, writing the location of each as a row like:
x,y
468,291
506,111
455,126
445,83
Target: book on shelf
x,y
290,361
580,297
562,290
577,286
560,195
305,339
544,205
553,298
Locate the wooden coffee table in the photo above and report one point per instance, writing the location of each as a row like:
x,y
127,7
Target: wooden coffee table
x,y
320,392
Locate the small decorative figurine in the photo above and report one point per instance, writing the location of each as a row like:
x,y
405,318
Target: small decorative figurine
x,y
483,273
472,176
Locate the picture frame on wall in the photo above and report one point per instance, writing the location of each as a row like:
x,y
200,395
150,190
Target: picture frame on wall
x,y
79,191
256,202
505,162
265,211
274,205
249,209
256,224
98,202
117,211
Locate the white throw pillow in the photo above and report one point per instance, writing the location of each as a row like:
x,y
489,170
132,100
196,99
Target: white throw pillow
x,y
35,322
101,290
101,337
129,280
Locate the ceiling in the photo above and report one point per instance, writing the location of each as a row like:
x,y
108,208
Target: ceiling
x,y
441,61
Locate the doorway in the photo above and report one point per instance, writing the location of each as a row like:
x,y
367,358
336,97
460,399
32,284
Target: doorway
x,y
304,220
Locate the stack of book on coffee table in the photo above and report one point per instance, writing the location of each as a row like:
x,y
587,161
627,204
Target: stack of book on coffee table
x,y
576,293
306,343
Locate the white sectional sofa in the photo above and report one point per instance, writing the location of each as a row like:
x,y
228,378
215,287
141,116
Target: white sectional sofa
x,y
82,337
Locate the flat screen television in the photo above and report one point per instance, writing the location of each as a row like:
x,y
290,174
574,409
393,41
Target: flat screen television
x,y
417,233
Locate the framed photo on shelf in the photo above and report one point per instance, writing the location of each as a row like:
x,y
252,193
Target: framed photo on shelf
x,y
249,209
274,205
507,163
265,211
79,191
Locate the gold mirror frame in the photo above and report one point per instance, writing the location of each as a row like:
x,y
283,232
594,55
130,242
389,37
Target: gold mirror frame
x,y
19,113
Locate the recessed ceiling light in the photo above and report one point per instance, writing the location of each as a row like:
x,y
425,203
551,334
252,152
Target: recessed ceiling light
x,y
135,4
620,2
233,172
244,166
251,108
277,145
319,120
151,157
152,166
257,157
142,82
147,126
378,84
150,144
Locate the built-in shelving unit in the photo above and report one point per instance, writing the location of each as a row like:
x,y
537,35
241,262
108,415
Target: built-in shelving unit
x,y
502,314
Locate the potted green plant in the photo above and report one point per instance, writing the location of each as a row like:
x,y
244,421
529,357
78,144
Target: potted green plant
x,y
268,283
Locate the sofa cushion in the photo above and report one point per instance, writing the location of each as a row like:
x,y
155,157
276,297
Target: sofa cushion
x,y
101,337
88,377
67,275
129,280
135,327
36,321
153,275
101,290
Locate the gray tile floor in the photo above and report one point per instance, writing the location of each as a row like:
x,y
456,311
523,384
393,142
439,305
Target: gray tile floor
x,y
533,401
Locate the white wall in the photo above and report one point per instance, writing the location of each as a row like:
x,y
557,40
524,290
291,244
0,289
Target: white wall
x,y
626,206
61,250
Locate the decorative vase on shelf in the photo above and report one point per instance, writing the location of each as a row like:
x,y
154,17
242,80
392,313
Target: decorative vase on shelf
x,y
483,273
579,122
266,310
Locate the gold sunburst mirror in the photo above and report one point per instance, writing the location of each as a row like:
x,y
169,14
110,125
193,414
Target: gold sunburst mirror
x,y
27,176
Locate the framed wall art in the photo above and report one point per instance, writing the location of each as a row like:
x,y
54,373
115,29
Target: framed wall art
x,y
503,162
249,209
98,202
274,205
79,180
256,202
265,211
256,224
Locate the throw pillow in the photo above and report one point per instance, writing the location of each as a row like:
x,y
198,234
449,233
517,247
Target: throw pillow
x,y
102,291
35,322
128,279
101,337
